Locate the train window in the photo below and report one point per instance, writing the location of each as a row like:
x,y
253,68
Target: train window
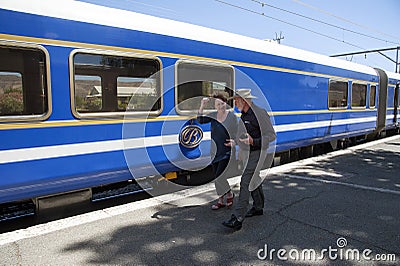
x,y
115,85
87,93
338,94
372,97
398,95
11,96
390,97
359,95
140,94
23,83
195,80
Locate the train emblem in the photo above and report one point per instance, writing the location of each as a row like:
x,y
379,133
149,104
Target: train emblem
x,y
190,136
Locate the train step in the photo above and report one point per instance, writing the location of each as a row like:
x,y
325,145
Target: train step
x,y
119,190
16,210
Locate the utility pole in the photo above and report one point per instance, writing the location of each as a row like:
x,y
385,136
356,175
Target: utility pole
x,y
380,52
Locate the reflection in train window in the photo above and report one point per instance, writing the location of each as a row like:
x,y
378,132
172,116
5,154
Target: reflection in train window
x,y
23,83
372,97
137,94
359,95
11,95
195,80
337,97
87,93
111,84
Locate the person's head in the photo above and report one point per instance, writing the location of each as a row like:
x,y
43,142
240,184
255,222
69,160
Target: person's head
x,y
220,101
243,99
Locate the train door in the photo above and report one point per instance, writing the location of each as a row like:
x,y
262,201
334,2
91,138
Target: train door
x,y
396,104
382,99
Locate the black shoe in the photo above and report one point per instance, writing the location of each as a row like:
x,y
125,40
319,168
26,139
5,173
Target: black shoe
x,y
233,223
253,212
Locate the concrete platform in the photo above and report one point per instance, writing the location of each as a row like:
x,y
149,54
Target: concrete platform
x,y
342,208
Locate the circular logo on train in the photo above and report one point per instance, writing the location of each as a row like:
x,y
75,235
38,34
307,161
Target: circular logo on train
x,y
191,136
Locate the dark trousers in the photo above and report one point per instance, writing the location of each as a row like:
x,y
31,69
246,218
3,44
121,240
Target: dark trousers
x,y
253,164
221,183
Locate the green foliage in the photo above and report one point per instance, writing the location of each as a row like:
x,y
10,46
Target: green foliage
x,y
88,105
11,102
94,104
142,102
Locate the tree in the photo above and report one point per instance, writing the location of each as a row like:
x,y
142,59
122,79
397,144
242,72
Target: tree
x,y
11,102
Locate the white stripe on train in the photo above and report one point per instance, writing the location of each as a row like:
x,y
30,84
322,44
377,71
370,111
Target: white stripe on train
x,y
56,151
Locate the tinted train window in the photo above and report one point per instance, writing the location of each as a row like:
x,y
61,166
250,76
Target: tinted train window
x,y
87,93
390,97
372,97
195,80
359,95
338,94
23,84
112,84
140,94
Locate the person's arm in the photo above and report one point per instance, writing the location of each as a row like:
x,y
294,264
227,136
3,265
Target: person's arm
x,y
267,130
232,129
200,117
243,139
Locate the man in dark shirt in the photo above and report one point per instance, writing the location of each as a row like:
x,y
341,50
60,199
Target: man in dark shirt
x,y
254,135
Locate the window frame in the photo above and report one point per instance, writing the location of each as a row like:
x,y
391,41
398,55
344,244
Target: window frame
x,y
390,104
370,89
200,63
113,114
46,88
366,94
347,94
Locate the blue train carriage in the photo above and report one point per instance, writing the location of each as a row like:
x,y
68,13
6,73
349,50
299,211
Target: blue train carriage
x,y
392,113
84,103
81,109
322,103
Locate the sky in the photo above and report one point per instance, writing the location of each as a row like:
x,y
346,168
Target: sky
x,y
327,27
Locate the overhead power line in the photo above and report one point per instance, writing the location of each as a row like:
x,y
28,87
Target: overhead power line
x,y
322,22
368,51
346,20
372,51
291,24
303,28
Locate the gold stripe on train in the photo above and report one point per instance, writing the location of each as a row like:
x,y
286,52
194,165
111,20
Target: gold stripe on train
x,y
94,122
45,41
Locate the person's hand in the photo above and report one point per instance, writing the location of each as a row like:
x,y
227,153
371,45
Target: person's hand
x,y
204,101
248,140
230,143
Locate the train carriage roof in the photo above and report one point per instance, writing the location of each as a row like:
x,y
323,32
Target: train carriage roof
x,y
392,75
86,12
